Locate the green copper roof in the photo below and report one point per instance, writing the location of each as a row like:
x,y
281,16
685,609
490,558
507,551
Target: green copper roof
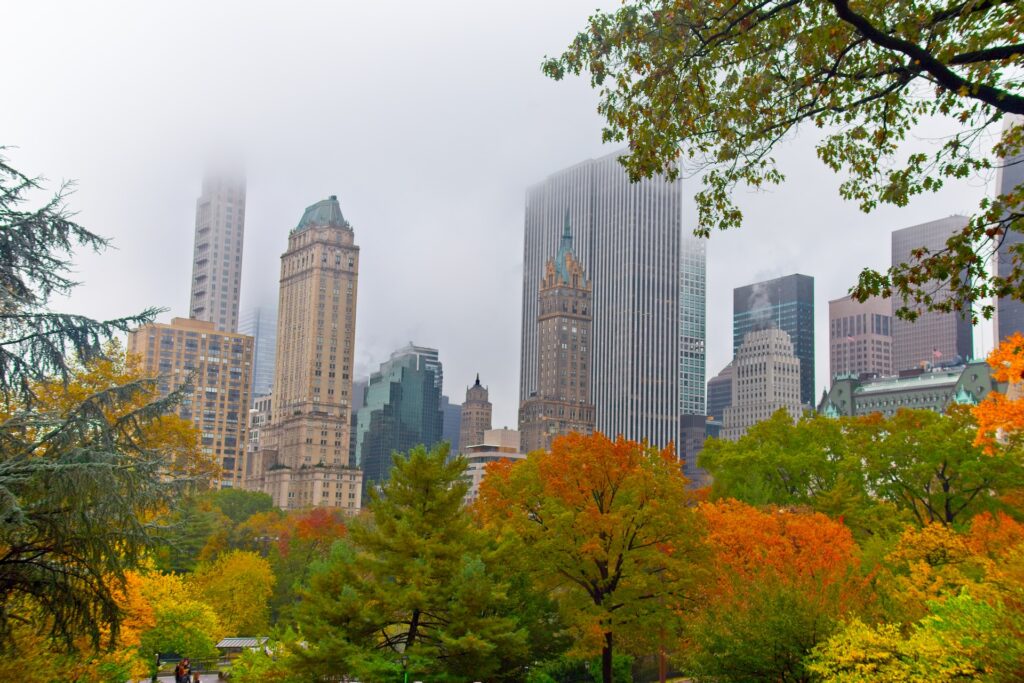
x,y
325,212
965,398
564,249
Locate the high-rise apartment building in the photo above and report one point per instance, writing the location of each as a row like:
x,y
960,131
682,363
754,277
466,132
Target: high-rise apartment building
x,y
495,445
402,410
860,337
476,416
451,427
934,337
1009,311
785,303
561,404
304,449
648,299
766,377
217,252
260,323
219,364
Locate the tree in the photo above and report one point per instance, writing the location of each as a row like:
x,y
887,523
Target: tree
x,y
927,464
779,581
609,536
183,624
411,589
238,586
239,505
712,88
1000,415
79,484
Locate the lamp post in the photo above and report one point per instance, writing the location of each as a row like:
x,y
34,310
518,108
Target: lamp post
x,y
405,668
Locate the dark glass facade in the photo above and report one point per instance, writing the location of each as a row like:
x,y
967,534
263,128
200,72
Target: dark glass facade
x,y
786,303
1009,312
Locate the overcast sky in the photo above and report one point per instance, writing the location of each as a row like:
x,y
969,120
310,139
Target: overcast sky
x,y
427,119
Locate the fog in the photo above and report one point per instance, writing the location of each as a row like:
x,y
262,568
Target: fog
x,y
428,120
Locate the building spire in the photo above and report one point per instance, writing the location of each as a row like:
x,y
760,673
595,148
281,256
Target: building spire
x,y
477,380
564,249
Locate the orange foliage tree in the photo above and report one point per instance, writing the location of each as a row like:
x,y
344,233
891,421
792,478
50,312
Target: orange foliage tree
x,y
609,534
1001,416
779,581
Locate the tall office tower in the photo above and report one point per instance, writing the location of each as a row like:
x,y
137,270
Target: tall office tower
x,y
786,303
1009,311
476,416
217,257
720,393
451,427
220,365
561,403
649,295
933,337
402,410
766,377
860,337
304,449
260,323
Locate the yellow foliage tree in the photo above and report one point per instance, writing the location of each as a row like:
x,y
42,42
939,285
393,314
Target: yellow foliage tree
x,y
238,586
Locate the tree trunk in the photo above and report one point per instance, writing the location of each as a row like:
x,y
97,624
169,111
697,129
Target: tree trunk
x,y
606,658
414,624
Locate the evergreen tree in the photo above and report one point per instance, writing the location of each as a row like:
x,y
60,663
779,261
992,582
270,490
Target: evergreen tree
x,y
411,588
79,482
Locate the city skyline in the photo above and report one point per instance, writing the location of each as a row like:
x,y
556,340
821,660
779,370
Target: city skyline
x,y
482,133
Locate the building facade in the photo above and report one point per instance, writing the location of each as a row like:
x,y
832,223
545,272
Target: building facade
x,y
476,416
786,303
260,323
720,393
304,449
649,312
766,377
1009,312
219,365
860,336
496,444
451,429
934,337
217,251
562,402
402,410
933,388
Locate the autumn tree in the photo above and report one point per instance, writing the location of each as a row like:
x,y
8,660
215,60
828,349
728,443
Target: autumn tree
x,y
238,586
712,88
609,534
778,584
182,622
79,482
411,588
1000,416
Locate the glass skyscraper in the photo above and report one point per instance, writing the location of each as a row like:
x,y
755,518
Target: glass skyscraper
x,y
260,323
402,409
648,363
786,303
1009,311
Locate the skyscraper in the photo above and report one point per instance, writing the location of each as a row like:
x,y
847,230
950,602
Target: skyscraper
x,y
766,377
402,410
260,323
720,393
933,337
217,253
220,366
561,404
860,337
476,416
648,300
1009,311
785,303
304,448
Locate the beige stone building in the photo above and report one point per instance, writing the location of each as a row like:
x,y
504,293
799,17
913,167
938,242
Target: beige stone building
x,y
219,364
765,378
496,444
303,458
476,416
860,337
562,403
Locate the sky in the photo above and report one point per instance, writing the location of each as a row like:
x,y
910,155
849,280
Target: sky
x,y
427,120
